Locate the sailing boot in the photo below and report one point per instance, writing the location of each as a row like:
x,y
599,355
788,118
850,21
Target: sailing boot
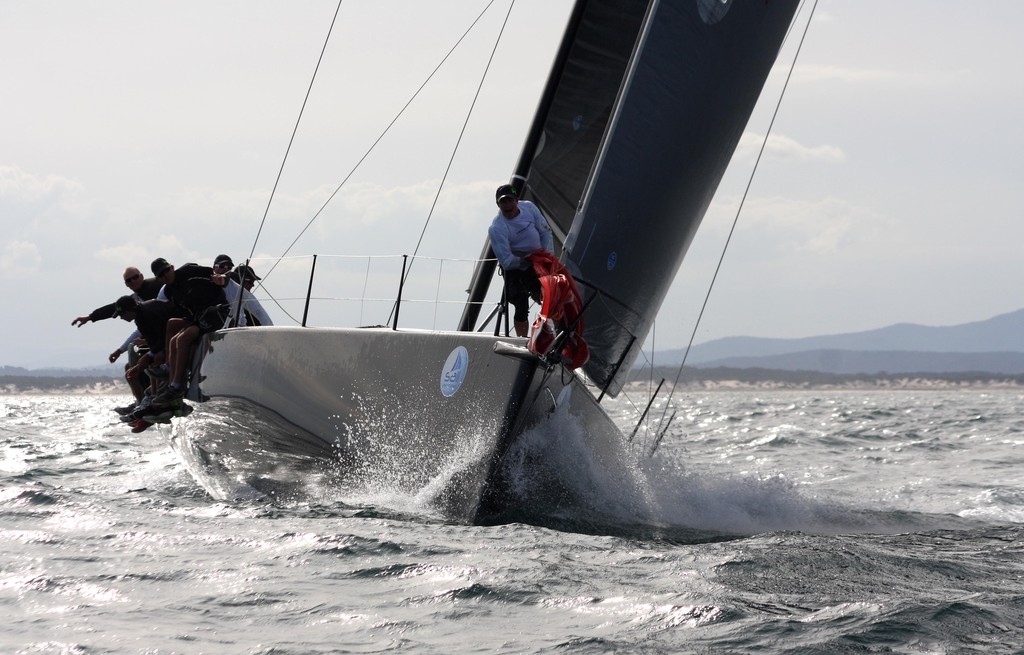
x,y
163,412
140,425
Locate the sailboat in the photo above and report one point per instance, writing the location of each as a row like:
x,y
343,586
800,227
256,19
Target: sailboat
x,y
644,106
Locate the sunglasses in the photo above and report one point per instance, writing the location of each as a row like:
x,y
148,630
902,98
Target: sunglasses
x,y
132,278
222,266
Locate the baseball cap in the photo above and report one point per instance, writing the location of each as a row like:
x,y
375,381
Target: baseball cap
x,y
125,304
159,265
246,273
505,190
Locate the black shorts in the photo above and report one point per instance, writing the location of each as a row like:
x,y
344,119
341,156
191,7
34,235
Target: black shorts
x,y
211,319
520,286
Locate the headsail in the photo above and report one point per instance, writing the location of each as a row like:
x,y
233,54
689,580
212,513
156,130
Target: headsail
x,y
580,108
645,116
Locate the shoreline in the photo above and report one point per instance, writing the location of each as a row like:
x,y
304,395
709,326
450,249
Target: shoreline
x,y
45,386
884,384
111,387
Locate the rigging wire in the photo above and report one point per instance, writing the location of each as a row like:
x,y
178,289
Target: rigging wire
x,y
295,130
458,143
736,219
380,137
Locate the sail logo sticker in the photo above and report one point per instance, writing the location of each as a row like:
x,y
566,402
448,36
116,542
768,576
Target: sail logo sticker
x,y
613,259
454,371
712,11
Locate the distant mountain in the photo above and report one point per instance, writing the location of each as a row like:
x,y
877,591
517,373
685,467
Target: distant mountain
x,y
995,345
112,370
854,362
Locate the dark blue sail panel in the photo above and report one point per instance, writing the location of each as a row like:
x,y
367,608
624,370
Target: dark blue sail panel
x,y
694,79
573,126
571,122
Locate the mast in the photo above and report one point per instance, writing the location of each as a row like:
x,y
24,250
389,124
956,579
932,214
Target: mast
x,y
484,271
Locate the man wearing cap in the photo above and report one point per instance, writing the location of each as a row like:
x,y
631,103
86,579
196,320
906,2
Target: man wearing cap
x,y
518,230
252,313
142,289
222,265
199,291
151,319
245,276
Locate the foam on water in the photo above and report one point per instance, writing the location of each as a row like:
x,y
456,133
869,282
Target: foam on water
x,y
556,475
108,546
557,479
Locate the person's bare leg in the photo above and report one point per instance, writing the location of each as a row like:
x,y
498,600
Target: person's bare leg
x,y
138,390
174,326
171,348
154,381
182,350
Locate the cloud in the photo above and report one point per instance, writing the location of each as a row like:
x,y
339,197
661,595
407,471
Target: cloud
x,y
387,218
779,227
783,147
133,253
19,259
126,254
20,187
41,206
907,78
826,73
822,227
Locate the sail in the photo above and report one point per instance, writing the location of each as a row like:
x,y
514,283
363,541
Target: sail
x,y
645,116
570,123
580,107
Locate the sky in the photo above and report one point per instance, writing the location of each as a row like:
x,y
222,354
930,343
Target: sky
x,y
889,190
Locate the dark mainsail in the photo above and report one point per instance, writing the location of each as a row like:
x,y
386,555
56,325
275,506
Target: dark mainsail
x,y
686,75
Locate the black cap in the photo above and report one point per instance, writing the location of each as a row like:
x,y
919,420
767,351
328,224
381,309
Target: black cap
x,y
125,304
505,190
159,265
223,259
246,273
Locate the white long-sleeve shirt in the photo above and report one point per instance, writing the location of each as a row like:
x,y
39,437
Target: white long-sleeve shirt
x,y
515,238
249,304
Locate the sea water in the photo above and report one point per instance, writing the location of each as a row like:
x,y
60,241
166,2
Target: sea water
x,y
764,522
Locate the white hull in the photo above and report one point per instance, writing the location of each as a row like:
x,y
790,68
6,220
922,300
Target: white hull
x,y
359,405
